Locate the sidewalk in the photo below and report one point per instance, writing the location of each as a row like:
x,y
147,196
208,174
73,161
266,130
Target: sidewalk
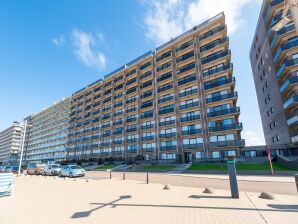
x,y
279,179
45,200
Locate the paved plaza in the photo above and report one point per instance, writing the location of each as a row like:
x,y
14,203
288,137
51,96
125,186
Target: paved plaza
x,y
42,200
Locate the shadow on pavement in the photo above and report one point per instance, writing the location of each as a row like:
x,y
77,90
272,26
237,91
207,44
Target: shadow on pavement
x,y
85,214
281,206
209,196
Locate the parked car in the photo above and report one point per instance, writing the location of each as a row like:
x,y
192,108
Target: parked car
x,y
72,171
35,168
31,168
52,169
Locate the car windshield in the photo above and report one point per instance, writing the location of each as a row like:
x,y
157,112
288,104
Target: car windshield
x,y
55,166
75,167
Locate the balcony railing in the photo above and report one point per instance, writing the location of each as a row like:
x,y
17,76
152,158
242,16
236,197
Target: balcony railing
x,y
147,138
236,143
235,126
165,123
287,63
167,135
167,99
217,70
190,118
189,92
214,84
165,111
192,146
291,101
224,112
292,120
192,132
287,83
147,127
169,147
284,47
215,56
214,44
221,97
189,105
281,32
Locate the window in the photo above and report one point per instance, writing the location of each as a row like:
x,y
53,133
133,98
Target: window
x,y
199,155
216,155
168,156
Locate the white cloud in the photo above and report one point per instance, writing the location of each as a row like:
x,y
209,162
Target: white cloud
x,y
252,138
169,18
58,40
86,49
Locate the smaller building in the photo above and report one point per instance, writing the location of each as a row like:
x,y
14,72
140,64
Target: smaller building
x,y
10,144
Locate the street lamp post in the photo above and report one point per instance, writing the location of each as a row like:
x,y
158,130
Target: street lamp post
x,y
22,147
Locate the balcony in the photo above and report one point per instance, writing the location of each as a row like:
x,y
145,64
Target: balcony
x,y
167,135
292,120
215,84
106,134
235,126
147,127
131,119
222,97
215,56
118,142
166,99
224,112
189,105
118,132
166,123
187,93
231,143
286,64
148,149
291,102
225,67
190,118
212,32
287,83
131,129
192,146
147,138
285,47
169,147
131,140
117,123
281,32
147,115
192,132
131,110
214,44
166,111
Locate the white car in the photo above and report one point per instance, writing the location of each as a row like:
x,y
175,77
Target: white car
x,y
52,169
72,171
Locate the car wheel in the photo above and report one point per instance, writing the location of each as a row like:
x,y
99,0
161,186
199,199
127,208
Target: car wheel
x,y
60,174
70,175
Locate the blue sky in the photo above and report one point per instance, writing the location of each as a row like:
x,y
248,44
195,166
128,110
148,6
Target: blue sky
x,y
50,49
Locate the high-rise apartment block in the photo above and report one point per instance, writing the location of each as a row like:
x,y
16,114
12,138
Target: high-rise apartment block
x,y
176,103
10,144
274,61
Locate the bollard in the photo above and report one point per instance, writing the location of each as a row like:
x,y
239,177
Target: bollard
x,y
110,174
123,174
296,180
233,176
147,178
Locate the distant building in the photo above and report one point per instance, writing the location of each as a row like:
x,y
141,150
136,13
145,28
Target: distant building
x,y
274,62
10,144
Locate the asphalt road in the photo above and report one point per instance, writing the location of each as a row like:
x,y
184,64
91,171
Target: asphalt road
x,y
201,182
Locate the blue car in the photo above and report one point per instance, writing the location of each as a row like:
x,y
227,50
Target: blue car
x,y
72,171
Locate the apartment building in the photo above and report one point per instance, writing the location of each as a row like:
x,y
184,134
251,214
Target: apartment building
x,y
10,144
47,133
175,103
274,61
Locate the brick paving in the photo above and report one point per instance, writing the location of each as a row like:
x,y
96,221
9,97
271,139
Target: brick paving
x,y
45,200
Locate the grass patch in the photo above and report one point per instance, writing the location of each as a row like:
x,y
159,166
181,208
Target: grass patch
x,y
106,167
158,167
239,166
